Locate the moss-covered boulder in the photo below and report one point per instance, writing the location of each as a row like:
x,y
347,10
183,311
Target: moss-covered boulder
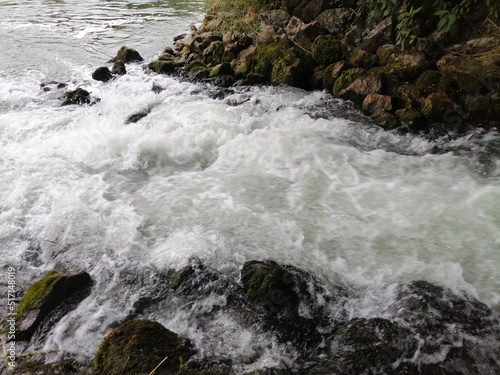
x,y
280,63
408,65
223,69
472,73
102,74
335,21
363,59
119,68
138,347
409,97
428,82
327,50
50,297
413,119
163,67
127,55
346,78
381,34
388,53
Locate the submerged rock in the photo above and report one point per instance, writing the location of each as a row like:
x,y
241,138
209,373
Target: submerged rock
x,y
119,68
47,300
138,347
79,96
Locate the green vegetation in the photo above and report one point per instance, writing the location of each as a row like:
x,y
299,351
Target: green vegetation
x,y
36,292
412,15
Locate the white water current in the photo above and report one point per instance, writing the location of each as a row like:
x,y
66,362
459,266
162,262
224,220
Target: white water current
x,y
261,174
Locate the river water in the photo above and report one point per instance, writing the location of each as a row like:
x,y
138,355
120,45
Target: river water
x,y
266,173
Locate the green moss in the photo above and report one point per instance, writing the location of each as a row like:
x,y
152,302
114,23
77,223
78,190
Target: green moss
x,y
265,57
326,50
346,78
428,81
292,69
37,291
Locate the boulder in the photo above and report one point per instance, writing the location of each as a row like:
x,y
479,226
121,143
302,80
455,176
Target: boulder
x,y
437,104
138,347
409,97
309,10
361,87
327,50
388,53
372,346
79,96
303,34
407,65
376,103
163,67
223,69
102,74
381,34
119,68
428,82
266,35
49,299
335,21
346,78
473,74
332,72
127,55
412,118
289,299
363,59
276,18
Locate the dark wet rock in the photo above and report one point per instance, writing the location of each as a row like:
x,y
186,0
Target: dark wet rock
x,y
133,118
412,118
309,10
29,366
363,59
119,68
49,299
138,347
156,88
473,74
428,82
49,86
163,67
303,34
436,105
409,97
327,50
386,120
102,74
79,97
289,298
127,55
371,346
388,53
335,21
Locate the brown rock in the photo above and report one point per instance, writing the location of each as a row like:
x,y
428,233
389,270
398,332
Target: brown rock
x,y
363,59
408,65
376,103
379,35
361,87
412,118
388,53
437,104
311,9
267,35
409,96
276,18
334,20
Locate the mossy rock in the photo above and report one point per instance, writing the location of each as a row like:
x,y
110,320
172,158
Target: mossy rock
x,y
412,118
127,55
79,97
162,66
292,69
119,68
483,108
450,86
223,69
327,50
266,55
138,346
50,297
346,78
428,81
363,59
36,292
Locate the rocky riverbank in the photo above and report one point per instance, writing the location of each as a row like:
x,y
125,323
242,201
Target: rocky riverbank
x,y
444,83
433,330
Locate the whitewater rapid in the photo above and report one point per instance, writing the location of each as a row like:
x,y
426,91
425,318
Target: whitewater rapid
x,y
257,173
